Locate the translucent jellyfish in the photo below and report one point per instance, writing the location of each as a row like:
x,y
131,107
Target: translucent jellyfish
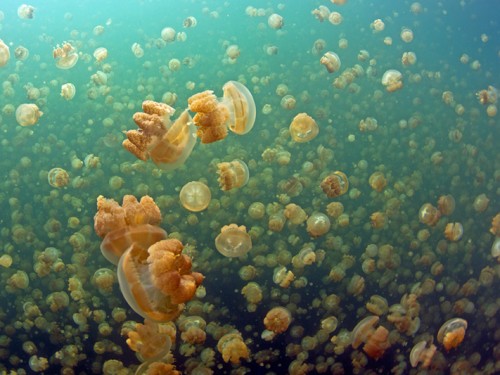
x,y
232,174
453,231
195,196
174,65
233,348
21,53
335,184
318,224
233,241
375,339
58,177
377,181
236,111
100,54
68,91
278,319
392,80
189,22
275,21
4,53
65,55
28,114
331,61
167,144
303,128
233,52
406,35
452,333
158,281
377,25
422,352
151,341
168,34
428,214
137,50
26,12
488,96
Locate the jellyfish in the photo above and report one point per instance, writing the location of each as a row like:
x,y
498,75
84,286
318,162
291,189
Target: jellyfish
x,y
21,53
233,52
335,184
331,61
68,91
303,128
232,174
189,22
377,181
428,214
275,21
100,54
28,114
168,34
195,196
58,177
4,53
233,241
422,352
235,111
233,348
151,340
168,145
26,11
452,333
375,339
453,231
406,35
278,319
137,50
392,80
318,224
65,55
158,281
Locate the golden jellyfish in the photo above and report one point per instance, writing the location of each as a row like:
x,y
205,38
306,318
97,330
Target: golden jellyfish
x,y
377,25
58,177
68,91
335,18
428,214
233,241
174,65
137,50
288,102
168,34
65,55
303,128
318,224
158,281
495,225
232,348
241,106
151,341
28,114
377,181
232,174
375,339
233,52
488,96
120,226
195,196
481,203
392,80
453,231
422,352
446,204
452,333
406,35
100,54
409,58
4,53
335,184
189,22
278,319
211,116
26,12
331,61
275,21
167,144
20,53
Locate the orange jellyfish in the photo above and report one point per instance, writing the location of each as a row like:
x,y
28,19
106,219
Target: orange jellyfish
x,y
303,128
167,144
233,241
452,333
100,54
233,348
151,341
278,319
4,53
158,281
232,174
375,339
453,231
58,177
28,114
65,55
335,184
68,91
422,352
235,111
392,80
428,214
377,181
331,61
120,226
195,196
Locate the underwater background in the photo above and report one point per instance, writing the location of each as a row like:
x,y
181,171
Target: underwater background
x,y
413,239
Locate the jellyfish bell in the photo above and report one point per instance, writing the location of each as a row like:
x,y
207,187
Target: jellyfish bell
x,y
189,22
335,184
232,174
116,242
392,80
195,196
26,12
68,91
28,114
68,61
233,241
21,53
241,106
58,177
100,54
275,21
168,34
331,61
422,352
452,333
4,53
303,128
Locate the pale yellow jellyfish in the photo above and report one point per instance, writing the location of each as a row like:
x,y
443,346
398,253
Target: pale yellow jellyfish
x,y
331,61
233,241
195,196
28,114
232,174
303,128
392,80
68,91
4,53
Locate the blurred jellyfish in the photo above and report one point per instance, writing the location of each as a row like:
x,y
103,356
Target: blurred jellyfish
x,y
4,53
335,18
232,174
137,50
68,91
422,352
392,80
21,53
275,21
406,35
58,177
318,224
26,11
195,196
452,333
98,30
303,128
233,52
335,184
65,55
168,34
233,241
453,231
189,22
100,54
331,61
28,114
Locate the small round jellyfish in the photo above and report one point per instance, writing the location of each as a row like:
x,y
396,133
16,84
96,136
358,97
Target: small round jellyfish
x,y
392,80
331,61
335,184
233,241
275,21
303,128
28,114
232,174
195,196
58,177
68,91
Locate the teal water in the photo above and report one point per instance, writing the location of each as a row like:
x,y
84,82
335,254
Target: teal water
x,y
425,148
